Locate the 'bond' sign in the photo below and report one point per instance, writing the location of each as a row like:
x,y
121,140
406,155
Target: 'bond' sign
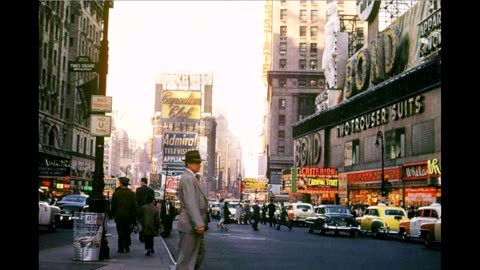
x,y
100,125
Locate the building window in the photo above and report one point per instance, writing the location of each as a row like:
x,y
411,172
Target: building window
x,y
314,31
303,2
302,83
281,150
423,138
303,49
281,120
45,50
302,63
283,14
283,31
395,143
54,57
63,63
303,31
85,145
303,14
352,152
283,48
282,83
314,15
91,147
313,64
44,75
78,143
283,63
281,135
313,48
282,103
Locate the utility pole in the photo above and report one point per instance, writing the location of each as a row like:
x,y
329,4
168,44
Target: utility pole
x,y
97,202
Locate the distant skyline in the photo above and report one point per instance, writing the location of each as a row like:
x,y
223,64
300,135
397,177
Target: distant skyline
x,y
147,38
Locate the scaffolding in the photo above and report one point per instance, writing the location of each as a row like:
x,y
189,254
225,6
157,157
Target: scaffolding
x,y
351,25
390,10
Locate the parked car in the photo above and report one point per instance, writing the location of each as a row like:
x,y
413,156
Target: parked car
x,y
381,220
71,204
336,218
431,233
411,228
48,215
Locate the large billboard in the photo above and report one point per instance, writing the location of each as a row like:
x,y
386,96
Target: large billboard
x,y
181,104
175,145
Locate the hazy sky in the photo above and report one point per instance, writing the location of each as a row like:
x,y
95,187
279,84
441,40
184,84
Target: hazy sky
x,y
147,38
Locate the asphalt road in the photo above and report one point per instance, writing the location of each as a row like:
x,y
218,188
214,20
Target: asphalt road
x,y
243,248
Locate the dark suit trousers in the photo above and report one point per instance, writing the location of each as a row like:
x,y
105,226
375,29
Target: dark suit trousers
x,y
124,231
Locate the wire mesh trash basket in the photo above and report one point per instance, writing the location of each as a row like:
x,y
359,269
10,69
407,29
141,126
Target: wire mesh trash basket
x,y
87,235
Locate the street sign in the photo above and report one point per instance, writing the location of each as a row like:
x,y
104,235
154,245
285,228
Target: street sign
x,y
100,125
82,64
101,104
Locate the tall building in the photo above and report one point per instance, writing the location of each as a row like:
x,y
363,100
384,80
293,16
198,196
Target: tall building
x,y
182,121
69,31
229,161
382,142
292,72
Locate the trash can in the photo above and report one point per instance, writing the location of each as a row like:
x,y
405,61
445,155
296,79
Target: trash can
x,y
87,235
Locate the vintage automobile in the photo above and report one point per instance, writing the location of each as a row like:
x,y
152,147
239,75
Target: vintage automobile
x,y
431,233
48,215
301,211
382,220
336,218
411,228
71,204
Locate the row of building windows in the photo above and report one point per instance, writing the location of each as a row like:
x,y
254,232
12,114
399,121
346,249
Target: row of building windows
x,y
302,31
301,83
302,64
302,15
302,49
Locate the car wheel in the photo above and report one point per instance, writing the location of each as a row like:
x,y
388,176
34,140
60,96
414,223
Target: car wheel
x,y
428,240
353,234
310,230
375,232
52,227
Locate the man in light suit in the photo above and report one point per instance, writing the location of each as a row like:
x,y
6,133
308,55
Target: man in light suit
x,y
193,218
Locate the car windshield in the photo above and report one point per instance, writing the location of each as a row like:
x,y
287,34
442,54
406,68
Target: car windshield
x,y
394,213
74,199
338,210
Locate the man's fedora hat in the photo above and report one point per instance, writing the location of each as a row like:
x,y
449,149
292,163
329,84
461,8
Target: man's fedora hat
x,y
193,156
124,180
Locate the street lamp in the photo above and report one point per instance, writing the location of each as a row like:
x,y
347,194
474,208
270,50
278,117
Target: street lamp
x,y
380,137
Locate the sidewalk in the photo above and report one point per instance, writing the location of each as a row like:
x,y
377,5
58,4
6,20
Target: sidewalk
x,y
62,257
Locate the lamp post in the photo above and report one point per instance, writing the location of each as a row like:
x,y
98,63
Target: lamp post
x,y
380,138
97,202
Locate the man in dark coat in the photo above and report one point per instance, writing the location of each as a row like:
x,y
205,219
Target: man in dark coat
x,y
125,211
256,215
142,193
167,215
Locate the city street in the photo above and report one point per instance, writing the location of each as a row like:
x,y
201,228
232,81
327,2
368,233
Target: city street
x,y
243,248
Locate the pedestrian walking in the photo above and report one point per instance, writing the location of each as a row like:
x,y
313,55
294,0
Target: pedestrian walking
x,y
193,220
284,219
264,213
125,211
167,214
150,220
256,215
141,194
271,213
